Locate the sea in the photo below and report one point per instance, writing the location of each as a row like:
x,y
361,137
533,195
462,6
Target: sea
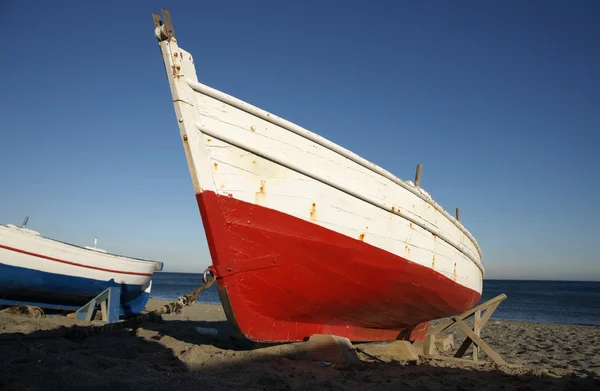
x,y
570,302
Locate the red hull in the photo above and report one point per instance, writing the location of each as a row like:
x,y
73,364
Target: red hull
x,y
284,279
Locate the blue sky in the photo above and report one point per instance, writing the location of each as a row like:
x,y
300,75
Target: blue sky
x,y
500,102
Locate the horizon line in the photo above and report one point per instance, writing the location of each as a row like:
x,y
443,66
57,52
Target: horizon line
x,y
484,279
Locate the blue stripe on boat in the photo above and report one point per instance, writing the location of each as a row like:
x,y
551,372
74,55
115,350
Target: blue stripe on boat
x,y
23,284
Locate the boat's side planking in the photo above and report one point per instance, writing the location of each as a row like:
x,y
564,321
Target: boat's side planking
x,y
234,153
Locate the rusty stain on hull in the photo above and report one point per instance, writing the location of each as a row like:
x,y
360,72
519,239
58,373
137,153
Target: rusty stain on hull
x,y
313,212
260,195
176,69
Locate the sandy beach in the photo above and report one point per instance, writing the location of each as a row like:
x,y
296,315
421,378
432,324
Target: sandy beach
x,y
173,354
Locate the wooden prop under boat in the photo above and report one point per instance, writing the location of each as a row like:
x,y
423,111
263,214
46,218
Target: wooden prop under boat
x,y
305,236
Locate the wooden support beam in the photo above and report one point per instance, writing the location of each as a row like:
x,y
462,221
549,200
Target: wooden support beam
x,y
418,175
486,316
440,328
168,22
109,301
480,343
477,331
399,350
474,335
156,19
104,311
444,342
429,347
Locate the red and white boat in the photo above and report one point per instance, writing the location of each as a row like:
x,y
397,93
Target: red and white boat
x,y
305,236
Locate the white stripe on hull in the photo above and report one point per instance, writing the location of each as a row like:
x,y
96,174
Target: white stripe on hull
x,y
235,149
16,238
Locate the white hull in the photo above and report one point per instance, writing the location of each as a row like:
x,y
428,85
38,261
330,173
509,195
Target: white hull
x,y
23,248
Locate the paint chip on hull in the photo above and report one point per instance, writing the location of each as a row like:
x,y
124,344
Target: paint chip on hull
x,y
176,70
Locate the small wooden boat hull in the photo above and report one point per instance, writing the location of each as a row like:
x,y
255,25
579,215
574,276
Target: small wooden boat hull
x,y
36,269
305,236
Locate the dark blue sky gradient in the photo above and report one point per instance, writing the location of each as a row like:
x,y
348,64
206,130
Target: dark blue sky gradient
x,y
500,102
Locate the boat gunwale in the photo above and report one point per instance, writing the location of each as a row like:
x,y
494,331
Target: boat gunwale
x,y
294,128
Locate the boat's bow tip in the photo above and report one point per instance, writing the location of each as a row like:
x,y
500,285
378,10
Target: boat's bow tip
x,y
163,26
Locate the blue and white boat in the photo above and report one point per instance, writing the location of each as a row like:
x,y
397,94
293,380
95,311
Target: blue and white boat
x,y
52,274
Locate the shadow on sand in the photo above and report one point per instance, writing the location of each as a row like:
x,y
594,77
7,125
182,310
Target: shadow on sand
x,y
173,355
